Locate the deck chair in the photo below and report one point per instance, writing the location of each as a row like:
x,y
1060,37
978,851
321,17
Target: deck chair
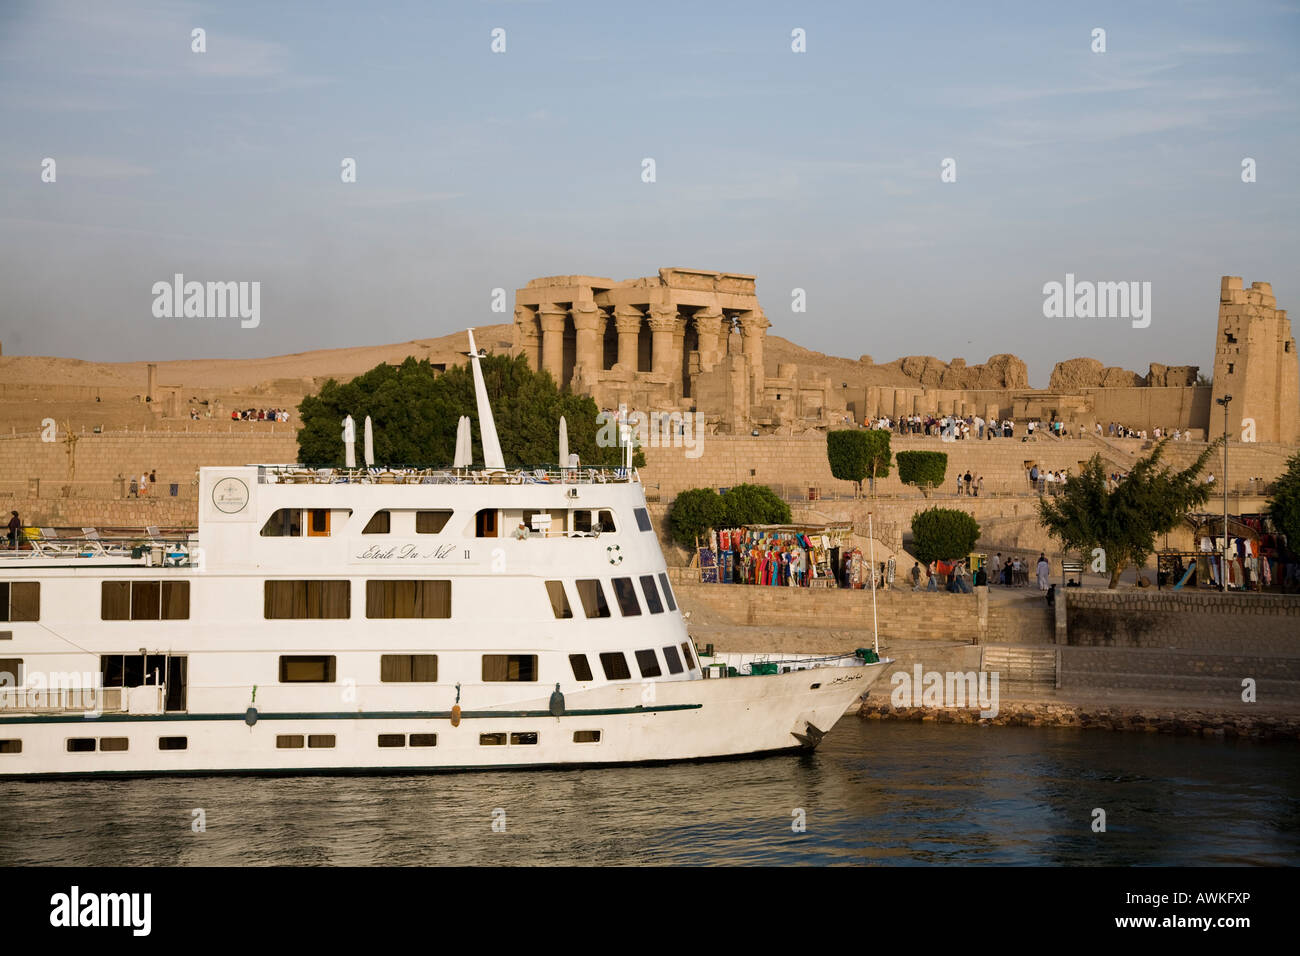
x,y
48,542
93,543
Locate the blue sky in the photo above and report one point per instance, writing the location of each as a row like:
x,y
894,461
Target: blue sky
x,y
475,170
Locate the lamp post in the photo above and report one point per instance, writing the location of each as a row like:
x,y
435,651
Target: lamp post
x,y
1224,572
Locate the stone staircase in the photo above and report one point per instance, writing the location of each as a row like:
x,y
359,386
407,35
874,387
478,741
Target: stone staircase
x,y
1026,667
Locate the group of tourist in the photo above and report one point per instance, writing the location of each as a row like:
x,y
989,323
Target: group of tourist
x,y
1116,430
969,485
1047,482
259,415
1014,573
140,488
950,427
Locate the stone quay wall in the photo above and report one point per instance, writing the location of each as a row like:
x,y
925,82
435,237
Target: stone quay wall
x,y
1246,624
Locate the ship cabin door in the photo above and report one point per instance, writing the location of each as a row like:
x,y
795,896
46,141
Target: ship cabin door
x,y
148,670
318,523
485,523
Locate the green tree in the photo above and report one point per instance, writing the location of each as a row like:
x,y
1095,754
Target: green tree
x,y
943,534
753,504
694,513
924,469
415,411
857,454
1284,503
1124,523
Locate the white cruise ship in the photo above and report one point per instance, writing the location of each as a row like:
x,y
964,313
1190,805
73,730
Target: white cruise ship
x,y
358,620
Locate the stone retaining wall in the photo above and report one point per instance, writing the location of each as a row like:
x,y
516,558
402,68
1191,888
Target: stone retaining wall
x,y
1251,624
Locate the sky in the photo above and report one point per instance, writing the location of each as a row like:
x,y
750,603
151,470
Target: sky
x,y
819,170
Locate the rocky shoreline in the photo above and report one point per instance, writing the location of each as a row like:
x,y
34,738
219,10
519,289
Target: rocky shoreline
x,y
1178,722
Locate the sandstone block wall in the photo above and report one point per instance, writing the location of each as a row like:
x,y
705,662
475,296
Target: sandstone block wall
x,y
1261,624
1214,676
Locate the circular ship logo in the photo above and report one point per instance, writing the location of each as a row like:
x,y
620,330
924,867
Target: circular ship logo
x,y
230,495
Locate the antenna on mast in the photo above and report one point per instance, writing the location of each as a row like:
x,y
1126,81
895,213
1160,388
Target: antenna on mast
x,y
487,428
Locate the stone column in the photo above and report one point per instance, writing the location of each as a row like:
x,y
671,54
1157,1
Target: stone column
x,y
628,322
528,338
553,317
663,323
753,326
708,326
588,323
151,389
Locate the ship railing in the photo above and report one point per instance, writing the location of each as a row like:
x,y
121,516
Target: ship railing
x,y
62,698
152,547
542,474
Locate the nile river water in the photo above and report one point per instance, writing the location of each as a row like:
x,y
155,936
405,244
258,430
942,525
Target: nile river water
x,y
892,793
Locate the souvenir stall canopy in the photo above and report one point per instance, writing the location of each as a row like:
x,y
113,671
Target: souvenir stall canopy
x,y
1246,568
787,555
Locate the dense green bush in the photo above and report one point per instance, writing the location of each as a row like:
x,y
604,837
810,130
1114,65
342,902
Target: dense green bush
x,y
943,534
1284,503
693,514
753,504
925,469
856,455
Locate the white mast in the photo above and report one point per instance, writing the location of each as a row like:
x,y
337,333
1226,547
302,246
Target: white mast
x,y
871,546
492,457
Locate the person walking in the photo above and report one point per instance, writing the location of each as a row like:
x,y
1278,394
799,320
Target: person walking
x,y
966,481
15,528
144,483
979,486
916,576
1044,571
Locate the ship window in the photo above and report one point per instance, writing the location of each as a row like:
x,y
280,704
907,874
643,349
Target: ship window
x,y
643,519
424,740
380,523
686,656
527,738
427,599
431,522
11,746
283,523
606,521
113,744
586,736
173,743
592,596
288,600
20,601
673,660
307,670
491,740
392,740
626,596
614,665
138,670
11,672
81,745
408,668
318,525
581,669
510,667
559,600
668,592
485,523
582,521
652,601
648,663
288,741
144,600
320,741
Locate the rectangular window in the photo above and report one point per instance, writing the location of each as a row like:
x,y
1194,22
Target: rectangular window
x,y
485,523
81,745
431,522
144,600
509,667
424,740
582,521
173,743
115,601
605,522
687,656
380,523
523,739
307,670
113,744
586,736
642,519
11,672
648,663
491,740
581,669
559,600
651,594
319,523
408,599
625,594
11,746
392,740
614,665
176,600
668,592
20,601
321,741
289,741
408,668
674,662
592,596
297,600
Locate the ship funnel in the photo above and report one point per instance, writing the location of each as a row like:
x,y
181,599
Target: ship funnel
x,y
369,445
487,428
349,443
464,446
